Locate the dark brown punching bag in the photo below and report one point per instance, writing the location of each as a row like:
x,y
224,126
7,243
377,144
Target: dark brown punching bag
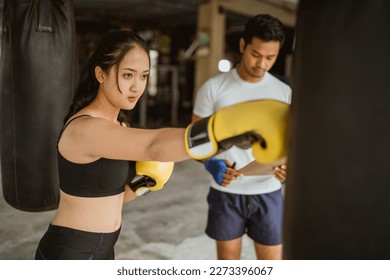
x,y
337,200
36,83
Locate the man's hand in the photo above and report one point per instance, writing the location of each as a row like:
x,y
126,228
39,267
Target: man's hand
x,y
222,171
280,172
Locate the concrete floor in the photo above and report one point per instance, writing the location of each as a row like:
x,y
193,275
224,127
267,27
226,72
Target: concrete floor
x,y
164,225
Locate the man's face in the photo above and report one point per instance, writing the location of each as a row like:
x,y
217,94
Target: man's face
x,y
257,58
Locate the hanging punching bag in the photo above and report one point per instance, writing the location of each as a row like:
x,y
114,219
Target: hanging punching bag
x,y
337,194
36,84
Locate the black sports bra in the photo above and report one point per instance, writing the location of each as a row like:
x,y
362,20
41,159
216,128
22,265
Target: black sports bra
x,y
103,177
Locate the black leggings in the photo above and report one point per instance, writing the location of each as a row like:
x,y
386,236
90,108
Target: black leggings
x,y
62,243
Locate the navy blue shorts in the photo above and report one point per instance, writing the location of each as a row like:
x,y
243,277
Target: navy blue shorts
x,y
232,215
62,243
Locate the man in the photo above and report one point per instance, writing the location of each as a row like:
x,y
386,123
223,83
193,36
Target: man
x,y
252,204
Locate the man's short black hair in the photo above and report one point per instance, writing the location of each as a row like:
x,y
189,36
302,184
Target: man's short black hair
x,y
264,27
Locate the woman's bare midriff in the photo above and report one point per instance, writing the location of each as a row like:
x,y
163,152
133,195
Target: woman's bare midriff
x,y
100,214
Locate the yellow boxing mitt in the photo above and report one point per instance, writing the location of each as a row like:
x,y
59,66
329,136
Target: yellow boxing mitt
x,y
151,176
260,124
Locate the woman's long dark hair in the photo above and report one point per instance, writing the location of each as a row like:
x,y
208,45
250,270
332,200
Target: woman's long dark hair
x,y
109,53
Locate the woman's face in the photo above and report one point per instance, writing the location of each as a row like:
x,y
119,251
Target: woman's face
x,y
132,77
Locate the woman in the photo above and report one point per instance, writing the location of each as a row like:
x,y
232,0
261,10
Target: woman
x,y
94,149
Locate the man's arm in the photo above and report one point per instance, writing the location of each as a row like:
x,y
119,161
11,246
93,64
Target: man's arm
x,y
195,118
256,168
279,169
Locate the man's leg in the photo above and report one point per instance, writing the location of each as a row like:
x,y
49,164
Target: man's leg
x,y
265,225
229,249
265,252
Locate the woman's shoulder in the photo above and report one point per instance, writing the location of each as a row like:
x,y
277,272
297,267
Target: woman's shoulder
x,y
87,126
86,138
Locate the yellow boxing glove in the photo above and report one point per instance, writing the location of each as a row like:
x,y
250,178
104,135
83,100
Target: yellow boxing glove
x,y
260,124
151,176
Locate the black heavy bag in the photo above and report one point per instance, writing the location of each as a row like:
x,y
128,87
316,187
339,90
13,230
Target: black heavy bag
x,y
37,83
338,195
